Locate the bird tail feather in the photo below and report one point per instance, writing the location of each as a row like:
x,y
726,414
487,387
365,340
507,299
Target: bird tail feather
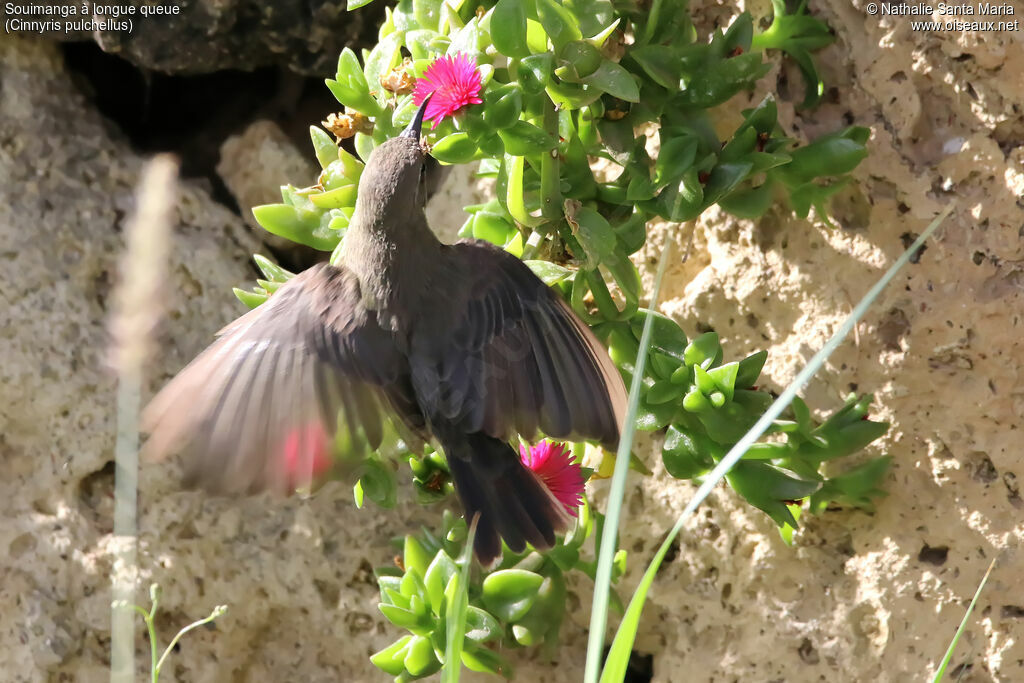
x,y
513,504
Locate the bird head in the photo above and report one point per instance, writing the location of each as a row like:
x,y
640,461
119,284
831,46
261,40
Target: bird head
x,y
390,184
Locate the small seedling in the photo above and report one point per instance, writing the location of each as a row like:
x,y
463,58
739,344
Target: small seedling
x,y
149,617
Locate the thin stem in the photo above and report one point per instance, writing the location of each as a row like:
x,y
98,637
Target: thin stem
x,y
217,611
532,245
550,169
136,313
122,655
154,670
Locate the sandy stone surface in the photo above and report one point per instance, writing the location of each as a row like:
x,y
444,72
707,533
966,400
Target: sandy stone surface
x,y
255,163
858,597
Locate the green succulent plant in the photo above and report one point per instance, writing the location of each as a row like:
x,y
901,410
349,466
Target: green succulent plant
x,y
563,87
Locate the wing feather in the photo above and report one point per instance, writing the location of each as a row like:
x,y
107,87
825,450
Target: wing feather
x,y
253,410
507,356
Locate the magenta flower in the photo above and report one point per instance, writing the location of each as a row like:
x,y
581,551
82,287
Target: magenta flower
x,y
555,466
453,82
306,454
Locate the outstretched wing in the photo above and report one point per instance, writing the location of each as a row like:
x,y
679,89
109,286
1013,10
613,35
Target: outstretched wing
x,y
508,356
294,387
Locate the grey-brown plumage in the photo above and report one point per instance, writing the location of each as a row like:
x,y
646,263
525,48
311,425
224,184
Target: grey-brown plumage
x,y
462,343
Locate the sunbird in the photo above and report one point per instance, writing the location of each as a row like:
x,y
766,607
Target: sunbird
x,y
460,344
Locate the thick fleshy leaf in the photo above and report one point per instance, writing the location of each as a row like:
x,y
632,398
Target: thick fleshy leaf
x,y
298,225
524,138
664,392
715,81
660,63
829,155
364,146
675,158
724,377
350,87
558,22
579,59
271,270
502,105
666,335
724,179
570,95
686,455
481,627
457,148
768,487
250,299
535,72
594,234
750,369
508,28
515,167
485,661
324,145
427,13
549,273
339,198
385,54
493,228
379,484
845,441
510,593
391,659
405,618
614,80
420,660
749,202
415,556
858,487
704,350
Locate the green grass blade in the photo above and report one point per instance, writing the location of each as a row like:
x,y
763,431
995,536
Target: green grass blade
x,y
603,576
618,656
963,625
455,623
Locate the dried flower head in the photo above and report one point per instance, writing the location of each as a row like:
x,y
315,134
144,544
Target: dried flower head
x,y
614,47
453,81
555,466
345,125
398,81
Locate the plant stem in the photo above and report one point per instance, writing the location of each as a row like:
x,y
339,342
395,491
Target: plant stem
x,y
136,313
157,665
550,171
531,245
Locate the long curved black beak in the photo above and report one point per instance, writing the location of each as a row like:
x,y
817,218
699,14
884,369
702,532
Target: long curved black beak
x,y
413,129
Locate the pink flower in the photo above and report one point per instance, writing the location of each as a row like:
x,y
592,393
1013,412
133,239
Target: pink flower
x,y
453,82
306,454
555,466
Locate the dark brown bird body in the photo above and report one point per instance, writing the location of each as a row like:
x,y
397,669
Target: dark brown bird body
x,y
462,343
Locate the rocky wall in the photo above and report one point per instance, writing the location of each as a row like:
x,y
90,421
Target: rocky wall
x,y
857,597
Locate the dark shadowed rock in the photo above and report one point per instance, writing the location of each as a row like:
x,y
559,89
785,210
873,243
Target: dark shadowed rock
x,y
202,36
